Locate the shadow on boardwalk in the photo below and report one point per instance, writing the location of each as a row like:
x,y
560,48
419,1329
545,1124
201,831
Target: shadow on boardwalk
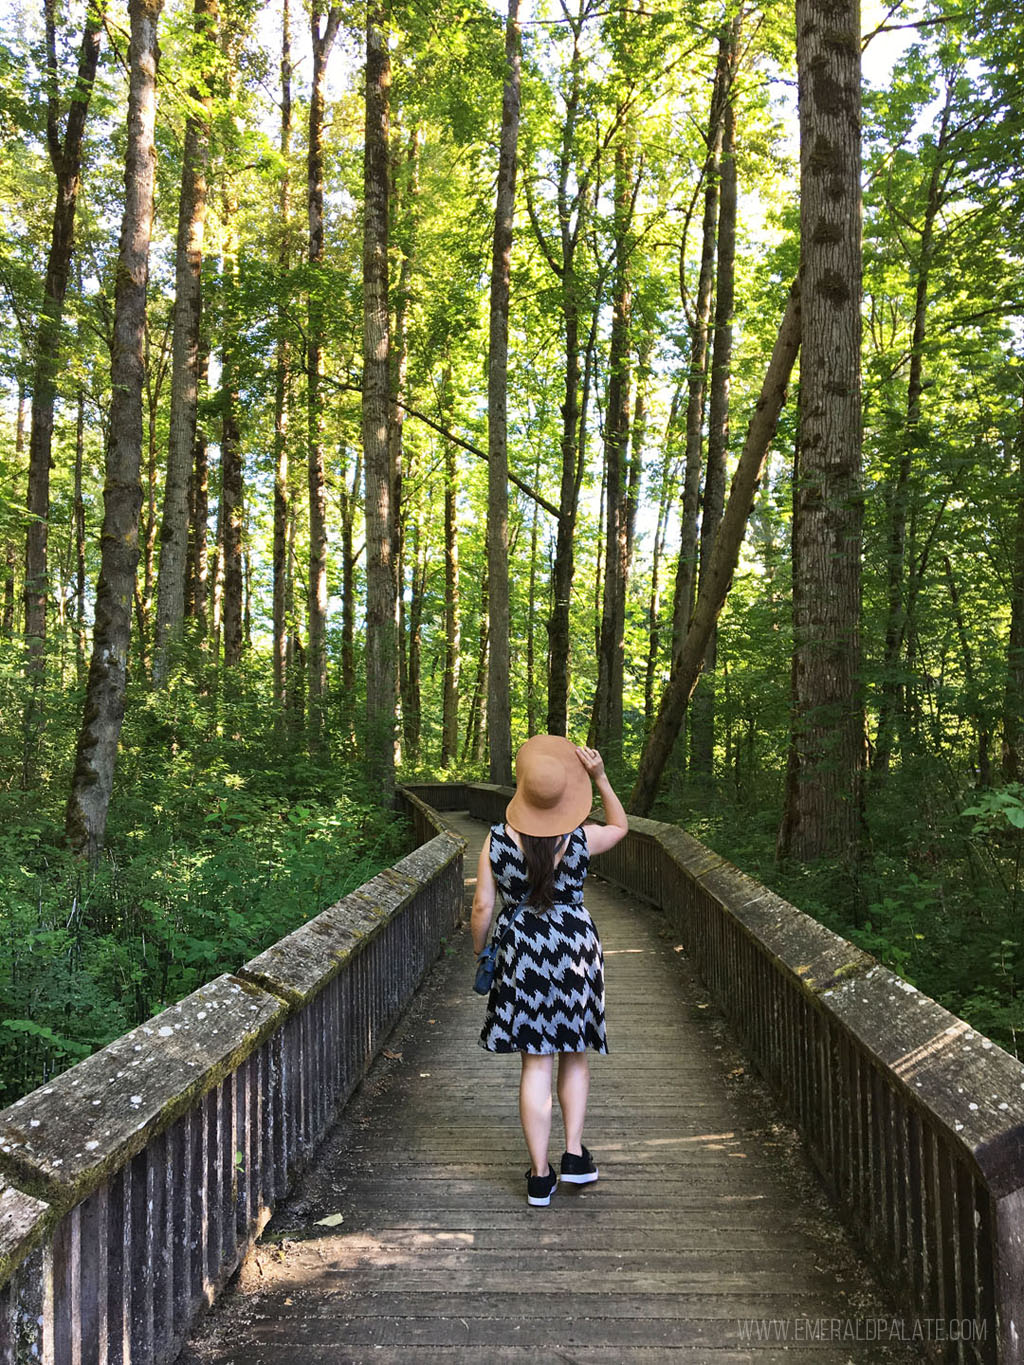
x,y
706,1238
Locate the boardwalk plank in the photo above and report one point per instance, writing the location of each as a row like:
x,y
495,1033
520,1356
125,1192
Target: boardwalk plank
x,y
706,1217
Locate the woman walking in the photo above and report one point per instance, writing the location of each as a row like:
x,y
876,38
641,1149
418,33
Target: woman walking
x,y
548,992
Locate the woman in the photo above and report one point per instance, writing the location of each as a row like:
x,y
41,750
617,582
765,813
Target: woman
x,y
548,991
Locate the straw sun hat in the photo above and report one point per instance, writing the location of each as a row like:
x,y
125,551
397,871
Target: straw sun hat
x,y
553,793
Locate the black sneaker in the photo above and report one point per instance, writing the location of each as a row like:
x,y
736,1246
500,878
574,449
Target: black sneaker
x,y
540,1188
578,1170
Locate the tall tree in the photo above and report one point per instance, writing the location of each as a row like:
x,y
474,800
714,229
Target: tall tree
x,y
93,778
232,481
607,721
1013,692
822,815
900,586
282,375
381,588
170,602
499,706
702,728
724,555
322,44
699,319
66,159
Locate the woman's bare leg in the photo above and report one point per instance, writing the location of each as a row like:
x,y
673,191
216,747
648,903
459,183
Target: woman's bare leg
x,y
573,1089
535,1107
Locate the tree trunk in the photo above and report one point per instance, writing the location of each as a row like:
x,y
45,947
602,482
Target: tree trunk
x,y
452,641
724,556
231,475
199,560
1013,696
155,372
499,688
411,709
702,718
828,722
66,158
11,552
349,503
93,777
654,626
174,524
899,589
396,440
282,377
322,44
531,671
686,567
607,726
381,642
80,537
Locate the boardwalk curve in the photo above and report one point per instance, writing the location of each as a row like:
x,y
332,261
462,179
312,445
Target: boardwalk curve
x,y
707,1237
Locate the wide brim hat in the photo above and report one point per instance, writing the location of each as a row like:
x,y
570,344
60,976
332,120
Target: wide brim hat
x,y
553,792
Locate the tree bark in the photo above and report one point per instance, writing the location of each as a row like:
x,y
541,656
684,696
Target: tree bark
x,y
686,565
654,624
66,158
828,722
381,641
702,720
93,777
170,602
282,377
1013,695
11,550
498,681
724,556
231,466
79,514
452,640
322,44
199,517
607,724
349,504
396,440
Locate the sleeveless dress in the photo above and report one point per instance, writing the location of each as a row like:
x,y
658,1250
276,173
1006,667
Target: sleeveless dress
x,y
548,990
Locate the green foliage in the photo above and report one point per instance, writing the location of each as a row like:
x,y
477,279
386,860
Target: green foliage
x,y
223,838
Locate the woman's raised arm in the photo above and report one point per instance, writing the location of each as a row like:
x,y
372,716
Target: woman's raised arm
x,y
616,826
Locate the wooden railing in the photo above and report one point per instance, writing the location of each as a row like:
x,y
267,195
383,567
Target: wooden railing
x,y
132,1185
914,1120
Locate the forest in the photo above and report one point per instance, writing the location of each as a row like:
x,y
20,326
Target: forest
x,y
383,384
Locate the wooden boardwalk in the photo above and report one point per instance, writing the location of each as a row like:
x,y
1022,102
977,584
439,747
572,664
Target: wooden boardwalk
x,y
410,1240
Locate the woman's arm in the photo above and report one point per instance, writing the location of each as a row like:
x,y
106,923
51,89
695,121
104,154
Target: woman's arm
x,y
616,826
483,899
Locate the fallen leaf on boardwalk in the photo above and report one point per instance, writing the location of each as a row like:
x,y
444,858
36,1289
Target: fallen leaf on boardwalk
x,y
331,1221
392,1056
678,948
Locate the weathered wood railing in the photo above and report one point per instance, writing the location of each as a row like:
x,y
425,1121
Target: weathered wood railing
x,y
913,1119
132,1185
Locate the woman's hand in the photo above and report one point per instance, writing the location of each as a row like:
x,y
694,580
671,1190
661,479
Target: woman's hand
x,y
592,761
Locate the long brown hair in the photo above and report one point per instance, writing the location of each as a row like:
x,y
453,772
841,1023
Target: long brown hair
x,y
539,852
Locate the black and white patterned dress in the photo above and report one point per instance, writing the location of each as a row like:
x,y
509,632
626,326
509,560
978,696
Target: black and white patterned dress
x,y
548,991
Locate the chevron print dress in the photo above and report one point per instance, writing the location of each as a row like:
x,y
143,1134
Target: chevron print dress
x,y
548,991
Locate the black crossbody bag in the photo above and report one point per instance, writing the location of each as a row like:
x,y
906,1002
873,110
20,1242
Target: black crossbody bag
x,y
487,962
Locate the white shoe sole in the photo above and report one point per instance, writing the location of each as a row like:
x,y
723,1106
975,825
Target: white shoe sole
x,y
587,1179
543,1200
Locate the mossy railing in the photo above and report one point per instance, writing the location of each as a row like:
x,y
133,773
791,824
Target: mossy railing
x,y
914,1120
132,1185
